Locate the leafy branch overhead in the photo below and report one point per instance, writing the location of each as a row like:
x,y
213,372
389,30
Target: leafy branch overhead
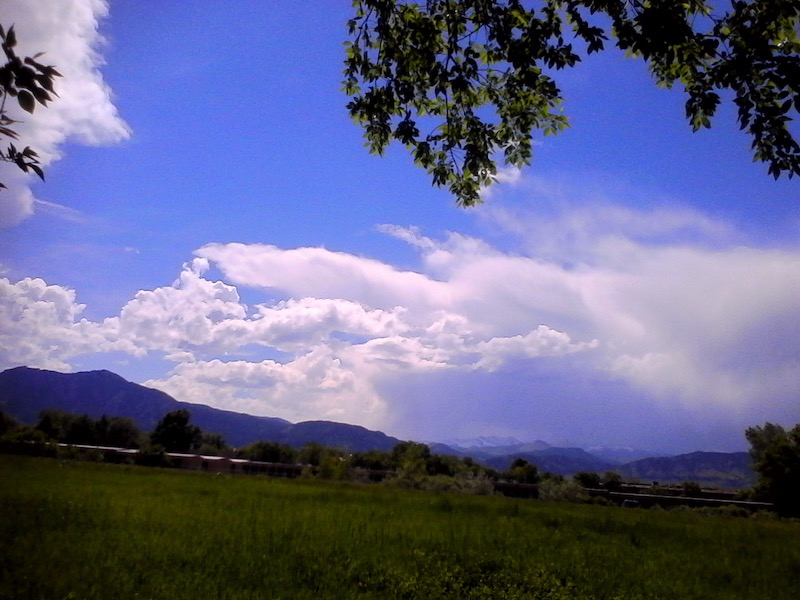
x,y
458,81
29,82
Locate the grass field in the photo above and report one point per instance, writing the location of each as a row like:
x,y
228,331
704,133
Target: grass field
x,y
84,530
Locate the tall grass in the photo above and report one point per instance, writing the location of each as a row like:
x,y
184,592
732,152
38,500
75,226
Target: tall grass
x,y
82,530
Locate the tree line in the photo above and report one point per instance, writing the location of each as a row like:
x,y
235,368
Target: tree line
x,y
410,464
775,453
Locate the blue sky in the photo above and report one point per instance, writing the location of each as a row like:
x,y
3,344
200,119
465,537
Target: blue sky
x,y
212,225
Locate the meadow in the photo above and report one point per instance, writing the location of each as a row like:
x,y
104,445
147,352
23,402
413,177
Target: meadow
x,y
86,530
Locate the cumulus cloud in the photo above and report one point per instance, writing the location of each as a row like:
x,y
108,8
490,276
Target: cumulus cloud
x,y
197,315
185,313
68,32
543,341
312,386
696,326
40,326
322,273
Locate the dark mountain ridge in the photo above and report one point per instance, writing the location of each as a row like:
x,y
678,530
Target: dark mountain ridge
x,y
25,391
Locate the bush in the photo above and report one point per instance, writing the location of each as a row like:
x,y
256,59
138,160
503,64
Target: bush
x,y
333,467
728,511
153,456
612,481
562,491
765,515
601,501
691,489
587,479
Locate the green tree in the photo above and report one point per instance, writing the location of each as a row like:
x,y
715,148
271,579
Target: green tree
x,y
411,455
55,423
61,426
29,82
410,461
776,460
458,81
587,479
7,423
333,465
611,481
311,454
82,430
442,464
213,444
272,452
377,460
122,432
175,434
25,434
522,471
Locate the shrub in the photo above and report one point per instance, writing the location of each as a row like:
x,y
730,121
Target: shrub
x,y
562,491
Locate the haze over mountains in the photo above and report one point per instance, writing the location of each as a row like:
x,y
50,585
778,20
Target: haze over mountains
x,y
25,391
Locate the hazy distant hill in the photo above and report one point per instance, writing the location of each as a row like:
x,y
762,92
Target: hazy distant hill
x,y
488,451
484,441
562,461
24,392
719,469
620,456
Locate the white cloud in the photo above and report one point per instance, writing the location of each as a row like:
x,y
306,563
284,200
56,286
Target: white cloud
x,y
196,315
68,32
186,313
39,327
16,201
543,341
321,273
313,386
701,326
676,320
505,175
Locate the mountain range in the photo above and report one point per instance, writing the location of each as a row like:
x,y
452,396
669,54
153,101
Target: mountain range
x,y
25,392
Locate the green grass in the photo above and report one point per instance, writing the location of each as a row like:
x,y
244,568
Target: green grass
x,y
84,530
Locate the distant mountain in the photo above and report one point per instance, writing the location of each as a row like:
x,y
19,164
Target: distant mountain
x,y
561,461
620,456
444,449
340,435
24,392
485,441
486,450
718,469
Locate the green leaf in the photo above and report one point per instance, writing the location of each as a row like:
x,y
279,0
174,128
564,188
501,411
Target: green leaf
x,y
26,100
11,38
474,71
42,96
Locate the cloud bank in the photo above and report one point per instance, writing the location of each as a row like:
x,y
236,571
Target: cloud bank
x,y
68,32
706,329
